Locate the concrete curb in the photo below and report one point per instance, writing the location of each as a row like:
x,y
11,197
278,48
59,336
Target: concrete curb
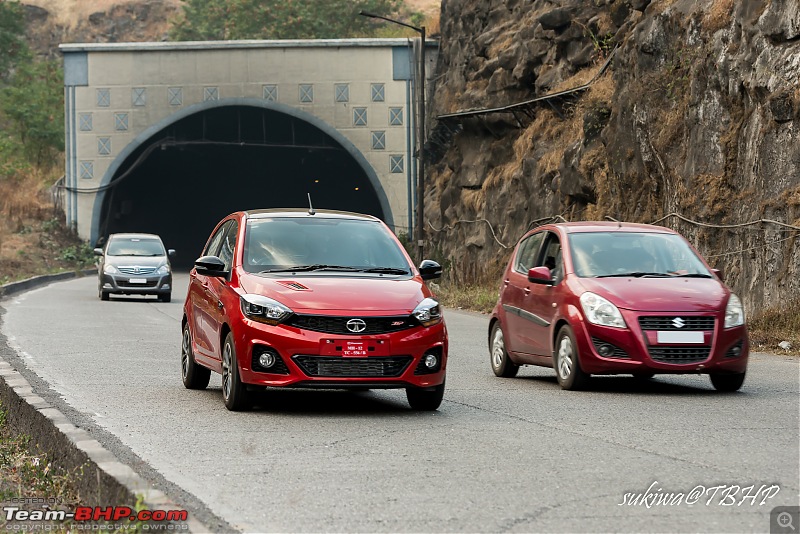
x,y
105,481
12,288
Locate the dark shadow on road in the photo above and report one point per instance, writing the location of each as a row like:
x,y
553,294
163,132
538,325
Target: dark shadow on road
x,y
628,384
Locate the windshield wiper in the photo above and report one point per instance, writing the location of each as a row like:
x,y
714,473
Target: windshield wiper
x,y
306,268
693,275
637,274
385,270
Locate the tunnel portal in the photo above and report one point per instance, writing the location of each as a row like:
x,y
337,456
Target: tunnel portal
x,y
182,180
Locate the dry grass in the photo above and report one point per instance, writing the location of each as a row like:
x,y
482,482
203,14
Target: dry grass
x,y
773,325
719,16
69,13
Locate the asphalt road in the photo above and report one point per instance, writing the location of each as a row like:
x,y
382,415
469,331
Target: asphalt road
x,y
500,455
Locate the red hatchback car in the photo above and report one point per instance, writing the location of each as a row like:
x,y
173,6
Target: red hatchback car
x,y
318,299
609,298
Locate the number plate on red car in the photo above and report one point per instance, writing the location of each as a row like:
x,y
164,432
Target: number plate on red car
x,y
671,336
358,348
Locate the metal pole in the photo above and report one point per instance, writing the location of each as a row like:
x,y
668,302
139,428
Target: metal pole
x,y
421,153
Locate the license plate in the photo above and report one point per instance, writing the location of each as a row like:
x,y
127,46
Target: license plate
x,y
358,348
138,280
671,336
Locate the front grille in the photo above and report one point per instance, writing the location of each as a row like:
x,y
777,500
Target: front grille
x,y
373,367
148,284
338,325
616,352
690,322
680,355
139,271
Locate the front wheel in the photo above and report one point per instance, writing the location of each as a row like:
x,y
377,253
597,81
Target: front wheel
x,y
165,297
425,399
501,362
727,381
194,376
234,392
568,366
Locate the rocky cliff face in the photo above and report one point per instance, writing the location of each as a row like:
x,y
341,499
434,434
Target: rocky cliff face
x,y
52,23
699,114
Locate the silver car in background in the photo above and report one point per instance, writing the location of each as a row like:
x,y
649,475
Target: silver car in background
x,y
134,264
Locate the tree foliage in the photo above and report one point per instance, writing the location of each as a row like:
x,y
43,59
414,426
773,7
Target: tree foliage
x,y
13,47
31,99
278,19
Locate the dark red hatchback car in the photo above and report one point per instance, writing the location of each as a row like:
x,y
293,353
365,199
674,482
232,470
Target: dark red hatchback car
x,y
609,298
318,299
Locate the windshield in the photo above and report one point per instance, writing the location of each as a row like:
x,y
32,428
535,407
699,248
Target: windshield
x,y
602,254
311,244
135,246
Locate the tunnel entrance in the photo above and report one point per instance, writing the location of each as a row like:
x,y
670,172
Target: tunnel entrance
x,y
182,180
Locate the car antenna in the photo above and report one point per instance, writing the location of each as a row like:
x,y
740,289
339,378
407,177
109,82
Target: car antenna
x,y
310,207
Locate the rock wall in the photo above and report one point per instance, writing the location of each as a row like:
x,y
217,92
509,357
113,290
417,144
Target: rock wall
x,y
699,114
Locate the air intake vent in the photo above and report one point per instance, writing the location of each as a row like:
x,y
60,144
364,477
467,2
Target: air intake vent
x,y
297,286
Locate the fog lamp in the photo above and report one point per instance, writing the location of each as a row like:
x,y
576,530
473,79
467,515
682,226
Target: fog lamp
x,y
431,361
266,360
605,350
736,351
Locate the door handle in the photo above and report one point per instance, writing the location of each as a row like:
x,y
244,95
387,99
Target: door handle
x,y
505,282
527,291
220,305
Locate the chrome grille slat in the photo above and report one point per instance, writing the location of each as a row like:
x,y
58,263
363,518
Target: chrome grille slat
x,y
338,325
690,322
137,271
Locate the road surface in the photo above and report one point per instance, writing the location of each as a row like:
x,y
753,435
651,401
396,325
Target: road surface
x,y
500,455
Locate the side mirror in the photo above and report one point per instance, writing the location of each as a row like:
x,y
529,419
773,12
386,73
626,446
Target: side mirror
x,y
719,274
540,275
210,266
429,270
98,252
171,253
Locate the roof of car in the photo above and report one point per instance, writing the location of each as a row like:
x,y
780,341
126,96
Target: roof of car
x,y
134,236
606,226
304,212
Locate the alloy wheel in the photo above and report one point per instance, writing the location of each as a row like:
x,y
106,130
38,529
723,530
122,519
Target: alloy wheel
x,y
565,358
186,349
498,348
226,371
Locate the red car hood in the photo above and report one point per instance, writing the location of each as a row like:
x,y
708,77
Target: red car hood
x,y
346,294
660,294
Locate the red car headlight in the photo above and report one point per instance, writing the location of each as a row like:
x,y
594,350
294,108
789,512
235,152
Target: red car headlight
x,y
428,312
264,309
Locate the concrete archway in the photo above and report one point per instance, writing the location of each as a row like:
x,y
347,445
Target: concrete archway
x,y
180,176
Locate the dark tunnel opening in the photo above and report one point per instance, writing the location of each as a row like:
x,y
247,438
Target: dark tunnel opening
x,y
191,174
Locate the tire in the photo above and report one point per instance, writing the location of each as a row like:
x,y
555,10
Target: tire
x,y
567,362
498,355
727,381
426,400
165,297
194,376
104,295
234,392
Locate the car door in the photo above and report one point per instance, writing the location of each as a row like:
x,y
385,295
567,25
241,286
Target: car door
x,y
215,289
514,292
202,303
539,303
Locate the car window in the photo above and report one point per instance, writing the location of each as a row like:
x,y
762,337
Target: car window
x,y
229,245
551,257
620,253
213,246
135,246
283,242
526,255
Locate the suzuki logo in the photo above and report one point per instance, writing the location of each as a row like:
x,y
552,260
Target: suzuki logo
x,y
677,322
356,325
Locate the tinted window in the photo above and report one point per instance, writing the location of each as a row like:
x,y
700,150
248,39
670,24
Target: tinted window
x,y
135,246
229,245
526,256
288,242
617,253
551,257
213,246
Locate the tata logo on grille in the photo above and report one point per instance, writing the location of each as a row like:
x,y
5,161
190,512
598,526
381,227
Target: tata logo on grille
x,y
356,325
677,322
